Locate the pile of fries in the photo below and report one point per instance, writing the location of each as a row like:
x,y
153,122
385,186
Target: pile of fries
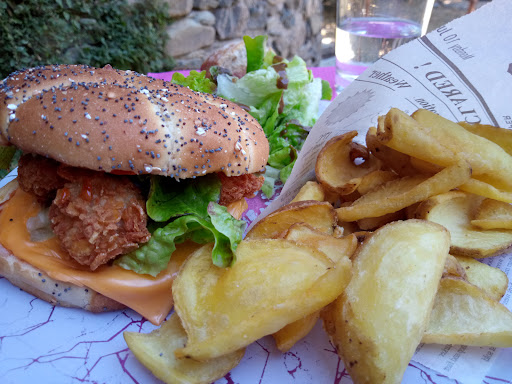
x,y
382,247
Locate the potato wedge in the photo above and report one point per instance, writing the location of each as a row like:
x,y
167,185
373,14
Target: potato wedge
x,y
464,314
493,281
273,283
380,318
454,211
320,215
155,351
335,249
310,191
401,193
452,268
500,136
288,336
493,214
336,167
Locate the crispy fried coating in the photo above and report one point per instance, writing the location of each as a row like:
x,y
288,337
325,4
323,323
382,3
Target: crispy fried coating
x,y
98,216
38,176
236,187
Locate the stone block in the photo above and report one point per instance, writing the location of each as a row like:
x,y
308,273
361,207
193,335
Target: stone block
x,y
231,22
187,35
203,17
178,8
258,14
206,4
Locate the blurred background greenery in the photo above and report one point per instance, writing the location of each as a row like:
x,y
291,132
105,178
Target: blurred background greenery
x,y
98,32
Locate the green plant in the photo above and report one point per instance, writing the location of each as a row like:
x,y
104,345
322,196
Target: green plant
x,y
94,32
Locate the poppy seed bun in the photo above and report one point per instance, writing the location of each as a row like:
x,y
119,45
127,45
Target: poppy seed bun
x,y
111,120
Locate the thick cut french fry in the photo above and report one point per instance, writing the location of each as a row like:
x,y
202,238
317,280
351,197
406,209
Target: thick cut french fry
x,y
454,211
500,136
485,157
404,134
379,320
320,215
484,189
273,283
464,314
401,193
341,164
391,159
372,223
373,179
425,167
155,350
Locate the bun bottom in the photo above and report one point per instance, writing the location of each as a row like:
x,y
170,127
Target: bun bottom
x,y
37,283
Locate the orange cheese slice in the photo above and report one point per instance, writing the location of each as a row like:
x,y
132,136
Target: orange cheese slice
x,y
147,295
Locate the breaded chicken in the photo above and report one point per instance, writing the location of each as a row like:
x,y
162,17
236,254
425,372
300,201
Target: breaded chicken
x,y
97,216
236,187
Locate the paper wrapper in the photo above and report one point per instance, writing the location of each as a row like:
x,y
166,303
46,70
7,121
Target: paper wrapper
x,y
462,71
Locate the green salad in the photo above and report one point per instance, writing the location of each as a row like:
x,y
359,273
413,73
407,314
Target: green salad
x,y
281,94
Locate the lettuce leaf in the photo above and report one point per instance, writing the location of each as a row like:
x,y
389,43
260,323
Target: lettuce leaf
x,y
255,52
185,210
196,81
252,89
271,176
169,198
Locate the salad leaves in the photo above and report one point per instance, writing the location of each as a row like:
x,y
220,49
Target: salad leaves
x,y
281,94
187,211
196,81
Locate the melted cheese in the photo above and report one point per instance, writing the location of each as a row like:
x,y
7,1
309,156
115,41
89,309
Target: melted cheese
x,y
237,208
147,295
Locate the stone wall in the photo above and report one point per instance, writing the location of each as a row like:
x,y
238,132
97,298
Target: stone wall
x,y
201,26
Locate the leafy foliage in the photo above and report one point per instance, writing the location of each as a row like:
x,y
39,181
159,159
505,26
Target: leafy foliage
x,y
94,32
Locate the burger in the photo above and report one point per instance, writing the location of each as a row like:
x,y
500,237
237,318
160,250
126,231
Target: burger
x,y
121,177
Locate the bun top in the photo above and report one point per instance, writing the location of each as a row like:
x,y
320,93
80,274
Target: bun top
x,y
122,121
